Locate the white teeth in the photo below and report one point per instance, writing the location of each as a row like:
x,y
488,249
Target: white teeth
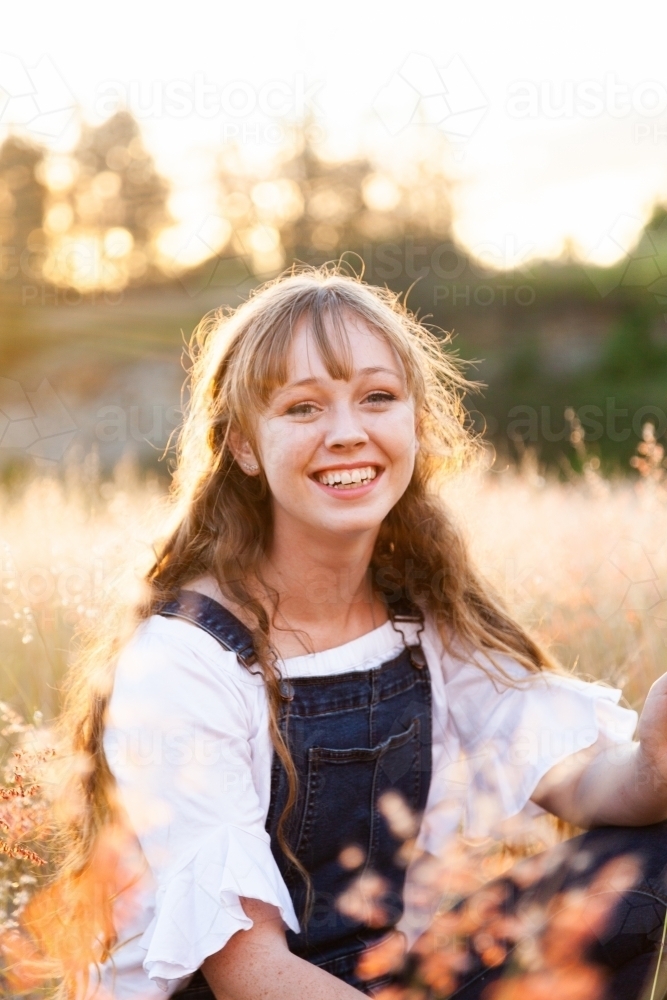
x,y
348,478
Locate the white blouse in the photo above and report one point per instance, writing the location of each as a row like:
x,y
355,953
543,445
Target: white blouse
x,y
187,740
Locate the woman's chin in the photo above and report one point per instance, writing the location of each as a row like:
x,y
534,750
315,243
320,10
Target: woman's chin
x,y
345,523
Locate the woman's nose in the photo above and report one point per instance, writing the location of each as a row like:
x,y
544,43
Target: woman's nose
x,y
345,430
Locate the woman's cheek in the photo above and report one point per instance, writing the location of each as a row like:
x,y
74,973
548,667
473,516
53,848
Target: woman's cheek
x,y
400,442
286,451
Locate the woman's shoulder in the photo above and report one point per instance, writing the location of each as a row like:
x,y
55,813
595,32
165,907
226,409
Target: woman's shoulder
x,y
171,674
466,665
166,649
490,692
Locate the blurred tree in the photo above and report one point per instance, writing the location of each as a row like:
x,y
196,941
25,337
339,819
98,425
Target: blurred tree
x,y
349,204
118,205
118,184
22,241
22,200
331,200
309,209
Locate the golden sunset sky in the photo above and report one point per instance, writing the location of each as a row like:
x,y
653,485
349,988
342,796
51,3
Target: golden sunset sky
x,y
556,113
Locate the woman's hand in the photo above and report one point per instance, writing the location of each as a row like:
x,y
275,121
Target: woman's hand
x,y
652,733
617,784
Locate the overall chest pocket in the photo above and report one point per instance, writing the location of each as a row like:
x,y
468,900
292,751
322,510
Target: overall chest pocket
x,y
342,793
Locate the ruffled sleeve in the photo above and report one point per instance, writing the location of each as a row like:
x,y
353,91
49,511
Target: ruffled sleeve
x,y
186,741
511,736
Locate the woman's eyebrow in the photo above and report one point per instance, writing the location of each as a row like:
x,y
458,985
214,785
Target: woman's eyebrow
x,y
373,370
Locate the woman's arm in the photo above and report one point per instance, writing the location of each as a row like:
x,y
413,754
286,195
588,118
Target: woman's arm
x,y
258,964
617,784
604,785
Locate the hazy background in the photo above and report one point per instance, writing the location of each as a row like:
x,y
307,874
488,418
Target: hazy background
x,y
504,165
507,164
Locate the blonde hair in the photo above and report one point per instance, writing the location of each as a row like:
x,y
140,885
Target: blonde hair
x,y
220,519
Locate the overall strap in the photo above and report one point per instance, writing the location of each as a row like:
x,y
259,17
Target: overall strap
x,y
405,610
213,618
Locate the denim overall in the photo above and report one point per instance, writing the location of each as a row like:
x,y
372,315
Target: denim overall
x,y
353,737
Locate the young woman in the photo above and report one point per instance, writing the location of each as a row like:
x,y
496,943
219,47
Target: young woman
x,y
313,644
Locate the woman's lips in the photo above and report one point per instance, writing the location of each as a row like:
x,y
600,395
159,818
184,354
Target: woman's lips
x,y
346,477
349,490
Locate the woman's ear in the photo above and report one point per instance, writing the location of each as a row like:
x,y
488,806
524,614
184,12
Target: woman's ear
x,y
243,454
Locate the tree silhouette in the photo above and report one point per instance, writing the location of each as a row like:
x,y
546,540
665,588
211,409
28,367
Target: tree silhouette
x,y
22,199
351,204
119,188
306,208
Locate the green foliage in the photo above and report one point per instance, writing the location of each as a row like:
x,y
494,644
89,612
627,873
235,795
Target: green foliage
x,y
630,351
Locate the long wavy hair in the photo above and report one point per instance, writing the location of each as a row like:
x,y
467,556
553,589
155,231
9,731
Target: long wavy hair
x,y
219,522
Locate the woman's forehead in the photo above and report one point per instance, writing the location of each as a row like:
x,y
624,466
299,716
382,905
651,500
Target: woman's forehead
x,y
354,344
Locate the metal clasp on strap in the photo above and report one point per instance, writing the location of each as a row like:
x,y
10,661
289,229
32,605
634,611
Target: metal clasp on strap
x,y
286,689
417,658
405,611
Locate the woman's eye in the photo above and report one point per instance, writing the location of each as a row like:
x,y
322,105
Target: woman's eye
x,y
380,397
302,409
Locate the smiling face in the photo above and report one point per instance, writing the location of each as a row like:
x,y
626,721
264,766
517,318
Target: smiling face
x,y
338,454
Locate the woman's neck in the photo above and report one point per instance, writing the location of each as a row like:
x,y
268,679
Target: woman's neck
x,y
325,595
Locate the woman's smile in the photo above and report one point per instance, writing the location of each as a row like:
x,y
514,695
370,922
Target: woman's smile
x,y
348,481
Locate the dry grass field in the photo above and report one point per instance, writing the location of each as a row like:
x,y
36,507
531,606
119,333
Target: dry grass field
x,y
583,563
